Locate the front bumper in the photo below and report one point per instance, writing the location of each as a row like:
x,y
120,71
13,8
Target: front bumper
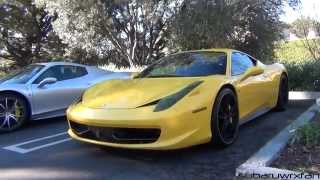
x,y
139,128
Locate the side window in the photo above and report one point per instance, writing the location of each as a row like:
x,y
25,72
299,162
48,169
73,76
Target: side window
x,y
71,72
61,73
240,63
81,71
52,72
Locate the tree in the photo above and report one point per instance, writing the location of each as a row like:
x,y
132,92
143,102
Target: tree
x,y
136,32
26,34
248,25
126,33
301,28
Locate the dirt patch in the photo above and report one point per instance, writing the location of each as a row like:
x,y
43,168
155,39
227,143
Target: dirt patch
x,y
298,156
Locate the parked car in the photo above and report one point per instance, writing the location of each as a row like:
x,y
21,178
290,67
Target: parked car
x,y
45,90
182,100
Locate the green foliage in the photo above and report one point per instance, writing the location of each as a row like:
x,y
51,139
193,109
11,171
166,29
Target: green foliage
x,y
135,32
302,68
302,74
250,26
2,74
309,135
26,34
292,51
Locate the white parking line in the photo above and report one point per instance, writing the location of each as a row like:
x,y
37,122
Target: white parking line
x,y
20,150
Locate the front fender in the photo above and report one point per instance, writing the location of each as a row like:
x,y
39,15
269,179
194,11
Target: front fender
x,y
21,89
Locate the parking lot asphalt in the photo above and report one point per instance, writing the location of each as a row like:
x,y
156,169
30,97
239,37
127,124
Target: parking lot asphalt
x,y
43,150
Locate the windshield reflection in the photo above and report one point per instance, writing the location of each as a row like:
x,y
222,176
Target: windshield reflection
x,y
22,76
189,64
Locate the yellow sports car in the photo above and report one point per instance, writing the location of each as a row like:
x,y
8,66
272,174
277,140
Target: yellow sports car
x,y
182,100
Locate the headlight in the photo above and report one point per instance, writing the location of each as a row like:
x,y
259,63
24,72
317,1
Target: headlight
x,y
169,101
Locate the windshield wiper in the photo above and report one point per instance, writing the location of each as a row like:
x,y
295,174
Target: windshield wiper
x,y
163,75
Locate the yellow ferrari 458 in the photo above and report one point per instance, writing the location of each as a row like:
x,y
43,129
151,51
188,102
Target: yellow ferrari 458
x,y
183,99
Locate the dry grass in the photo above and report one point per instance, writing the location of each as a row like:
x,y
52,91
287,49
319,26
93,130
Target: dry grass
x,y
112,67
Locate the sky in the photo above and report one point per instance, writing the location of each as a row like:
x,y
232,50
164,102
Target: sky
x,y
309,8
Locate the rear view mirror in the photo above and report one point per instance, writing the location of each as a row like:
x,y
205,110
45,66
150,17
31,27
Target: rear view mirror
x,y
47,81
253,71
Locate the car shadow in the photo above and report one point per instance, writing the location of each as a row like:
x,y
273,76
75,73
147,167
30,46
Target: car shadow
x,y
161,155
45,122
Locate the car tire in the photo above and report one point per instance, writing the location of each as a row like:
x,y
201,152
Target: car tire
x,y
14,112
225,118
283,95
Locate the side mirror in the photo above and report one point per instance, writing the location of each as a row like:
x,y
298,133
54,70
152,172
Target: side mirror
x,y
134,75
253,71
47,81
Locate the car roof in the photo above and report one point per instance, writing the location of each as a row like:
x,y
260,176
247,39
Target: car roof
x,y
226,50
59,63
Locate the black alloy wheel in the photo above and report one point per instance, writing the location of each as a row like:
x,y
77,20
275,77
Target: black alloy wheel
x,y
225,118
13,112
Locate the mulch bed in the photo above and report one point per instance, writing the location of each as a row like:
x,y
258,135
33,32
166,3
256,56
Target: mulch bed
x,y
298,157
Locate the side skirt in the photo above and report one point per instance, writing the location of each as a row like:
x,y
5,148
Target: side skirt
x,y
52,114
254,115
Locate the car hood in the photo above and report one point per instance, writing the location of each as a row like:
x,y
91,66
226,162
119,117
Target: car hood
x,y
132,93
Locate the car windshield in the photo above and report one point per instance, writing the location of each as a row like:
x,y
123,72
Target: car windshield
x,y
22,76
188,64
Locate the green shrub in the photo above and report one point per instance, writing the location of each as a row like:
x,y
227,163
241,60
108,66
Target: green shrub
x,y
302,74
2,74
302,69
309,135
292,51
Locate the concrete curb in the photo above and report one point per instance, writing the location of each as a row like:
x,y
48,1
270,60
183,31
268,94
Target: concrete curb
x,y
303,95
259,162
